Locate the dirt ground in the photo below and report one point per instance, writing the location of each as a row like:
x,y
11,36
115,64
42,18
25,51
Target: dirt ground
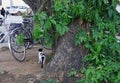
x,y
28,71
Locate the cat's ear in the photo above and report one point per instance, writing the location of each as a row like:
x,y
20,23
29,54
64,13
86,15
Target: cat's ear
x,y
40,50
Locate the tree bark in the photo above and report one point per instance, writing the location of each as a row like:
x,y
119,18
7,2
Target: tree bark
x,y
34,4
67,56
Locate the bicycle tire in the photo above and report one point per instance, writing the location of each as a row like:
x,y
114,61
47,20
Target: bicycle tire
x,y
19,56
18,51
15,44
15,54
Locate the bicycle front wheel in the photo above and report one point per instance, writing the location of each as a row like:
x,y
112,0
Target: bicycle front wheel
x,y
17,45
19,56
17,40
20,53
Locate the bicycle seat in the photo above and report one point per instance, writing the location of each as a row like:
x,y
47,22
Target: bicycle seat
x,y
26,20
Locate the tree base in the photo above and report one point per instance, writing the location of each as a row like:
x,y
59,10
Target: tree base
x,y
67,56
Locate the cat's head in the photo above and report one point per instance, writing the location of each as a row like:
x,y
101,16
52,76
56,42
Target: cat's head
x,y
40,50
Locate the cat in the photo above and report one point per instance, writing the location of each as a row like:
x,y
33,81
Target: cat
x,y
41,57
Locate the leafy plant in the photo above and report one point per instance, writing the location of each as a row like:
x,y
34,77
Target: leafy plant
x,y
72,73
56,25
20,39
103,56
37,33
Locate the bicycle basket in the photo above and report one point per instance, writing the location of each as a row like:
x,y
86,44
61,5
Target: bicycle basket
x,y
15,25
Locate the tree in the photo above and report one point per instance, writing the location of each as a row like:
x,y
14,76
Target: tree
x,y
92,28
34,4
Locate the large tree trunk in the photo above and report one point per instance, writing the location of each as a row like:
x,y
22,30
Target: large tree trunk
x,y
34,4
67,56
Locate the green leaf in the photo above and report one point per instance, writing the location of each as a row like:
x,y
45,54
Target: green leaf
x,y
81,37
53,21
61,29
58,6
72,73
97,47
96,35
110,13
47,24
37,32
43,15
41,21
100,2
105,1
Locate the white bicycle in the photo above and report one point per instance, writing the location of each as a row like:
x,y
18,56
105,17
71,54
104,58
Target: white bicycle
x,y
15,35
5,33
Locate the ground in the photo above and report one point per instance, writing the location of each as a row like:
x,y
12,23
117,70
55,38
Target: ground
x,y
12,71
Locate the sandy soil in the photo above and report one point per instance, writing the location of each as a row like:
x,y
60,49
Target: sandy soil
x,y
13,69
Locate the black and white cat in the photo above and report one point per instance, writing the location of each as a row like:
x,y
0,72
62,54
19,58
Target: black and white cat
x,y
41,57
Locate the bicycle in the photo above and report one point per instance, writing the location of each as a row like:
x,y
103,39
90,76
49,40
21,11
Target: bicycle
x,y
28,25
2,37
4,34
17,45
21,39
11,33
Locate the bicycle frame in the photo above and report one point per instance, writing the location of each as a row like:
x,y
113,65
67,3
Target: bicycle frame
x,y
5,35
